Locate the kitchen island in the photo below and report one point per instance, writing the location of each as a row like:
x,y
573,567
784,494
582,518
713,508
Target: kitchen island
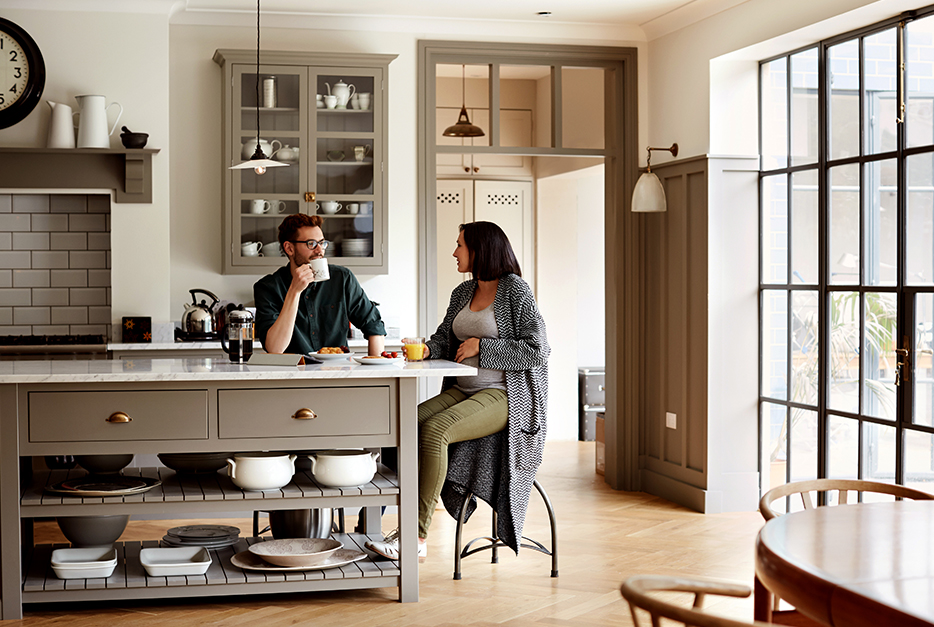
x,y
150,406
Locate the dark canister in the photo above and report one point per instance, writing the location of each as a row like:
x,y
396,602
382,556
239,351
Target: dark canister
x,y
237,336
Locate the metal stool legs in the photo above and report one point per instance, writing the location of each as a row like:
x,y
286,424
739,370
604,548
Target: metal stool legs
x,y
493,541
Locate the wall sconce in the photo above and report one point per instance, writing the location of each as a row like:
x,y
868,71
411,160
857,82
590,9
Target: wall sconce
x,y
649,195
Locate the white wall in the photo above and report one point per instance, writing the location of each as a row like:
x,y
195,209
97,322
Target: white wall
x,y
123,57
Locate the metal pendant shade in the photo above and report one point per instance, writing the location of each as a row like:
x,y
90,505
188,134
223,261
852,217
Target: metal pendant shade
x,y
258,162
463,127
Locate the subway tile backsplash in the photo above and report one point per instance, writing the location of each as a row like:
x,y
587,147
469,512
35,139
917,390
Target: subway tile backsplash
x,y
55,264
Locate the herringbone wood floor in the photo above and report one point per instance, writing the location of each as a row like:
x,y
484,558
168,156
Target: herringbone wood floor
x,y
604,536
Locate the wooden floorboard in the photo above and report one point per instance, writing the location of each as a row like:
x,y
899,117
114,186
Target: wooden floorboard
x,y
604,536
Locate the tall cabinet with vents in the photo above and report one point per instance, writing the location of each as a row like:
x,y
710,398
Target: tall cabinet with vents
x,y
507,203
337,158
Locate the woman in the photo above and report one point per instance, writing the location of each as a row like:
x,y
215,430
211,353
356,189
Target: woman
x,y
494,421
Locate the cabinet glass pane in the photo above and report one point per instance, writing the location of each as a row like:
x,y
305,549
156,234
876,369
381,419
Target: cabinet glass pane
x,y
345,103
344,167
274,181
278,100
351,235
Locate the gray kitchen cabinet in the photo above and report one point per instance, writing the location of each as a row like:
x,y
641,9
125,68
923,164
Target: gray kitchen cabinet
x,y
335,155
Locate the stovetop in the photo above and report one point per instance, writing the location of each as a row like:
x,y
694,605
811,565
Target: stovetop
x,y
51,340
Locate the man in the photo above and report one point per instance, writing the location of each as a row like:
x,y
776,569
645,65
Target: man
x,y
294,314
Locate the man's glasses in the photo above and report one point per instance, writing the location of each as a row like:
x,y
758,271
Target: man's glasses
x,y
313,243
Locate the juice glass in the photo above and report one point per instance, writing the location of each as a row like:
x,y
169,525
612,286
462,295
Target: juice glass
x,y
414,348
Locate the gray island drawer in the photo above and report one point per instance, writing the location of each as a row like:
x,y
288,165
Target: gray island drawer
x,y
268,413
82,416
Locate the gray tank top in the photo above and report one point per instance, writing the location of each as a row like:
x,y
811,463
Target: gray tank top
x,y
481,324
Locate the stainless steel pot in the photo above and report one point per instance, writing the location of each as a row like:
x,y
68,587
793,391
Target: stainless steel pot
x,y
300,523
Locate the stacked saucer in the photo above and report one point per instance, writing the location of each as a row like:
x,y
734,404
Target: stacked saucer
x,y
207,536
357,247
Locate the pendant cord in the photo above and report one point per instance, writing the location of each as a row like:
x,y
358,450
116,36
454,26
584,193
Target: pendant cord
x,y
257,75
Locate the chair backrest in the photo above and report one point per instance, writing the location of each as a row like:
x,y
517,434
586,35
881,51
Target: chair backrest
x,y
842,486
641,592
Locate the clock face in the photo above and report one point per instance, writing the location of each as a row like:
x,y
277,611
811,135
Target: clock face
x,y
22,72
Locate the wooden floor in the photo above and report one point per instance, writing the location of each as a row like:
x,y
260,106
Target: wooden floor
x,y
604,536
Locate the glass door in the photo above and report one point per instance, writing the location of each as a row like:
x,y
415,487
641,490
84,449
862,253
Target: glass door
x,y
261,201
346,162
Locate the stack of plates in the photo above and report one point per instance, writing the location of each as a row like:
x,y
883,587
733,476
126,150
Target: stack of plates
x,y
357,247
208,536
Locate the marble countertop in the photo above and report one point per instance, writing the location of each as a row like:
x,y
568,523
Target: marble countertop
x,y
216,346
208,369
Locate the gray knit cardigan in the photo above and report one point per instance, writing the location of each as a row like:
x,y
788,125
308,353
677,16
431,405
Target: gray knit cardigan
x,y
500,468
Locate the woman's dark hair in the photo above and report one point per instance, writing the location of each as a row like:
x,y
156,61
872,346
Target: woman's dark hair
x,y
490,250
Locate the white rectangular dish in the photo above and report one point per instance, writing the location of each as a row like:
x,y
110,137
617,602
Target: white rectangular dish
x,y
169,562
84,563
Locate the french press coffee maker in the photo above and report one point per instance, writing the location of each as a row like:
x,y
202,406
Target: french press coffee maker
x,y
237,336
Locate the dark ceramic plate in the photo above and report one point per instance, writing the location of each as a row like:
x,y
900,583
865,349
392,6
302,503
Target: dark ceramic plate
x,y
103,486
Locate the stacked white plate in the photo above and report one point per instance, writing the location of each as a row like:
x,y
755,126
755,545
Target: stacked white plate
x,y
207,536
357,247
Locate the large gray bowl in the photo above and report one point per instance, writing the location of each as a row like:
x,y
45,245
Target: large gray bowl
x,y
103,464
88,531
194,463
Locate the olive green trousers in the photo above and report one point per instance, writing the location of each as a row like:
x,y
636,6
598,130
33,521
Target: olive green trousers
x,y
452,416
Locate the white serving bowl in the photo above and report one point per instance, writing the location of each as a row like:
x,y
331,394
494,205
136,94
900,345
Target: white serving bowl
x,y
261,471
84,563
170,562
343,469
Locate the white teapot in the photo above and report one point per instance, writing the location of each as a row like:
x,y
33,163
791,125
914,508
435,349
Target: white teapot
x,y
343,92
249,147
286,153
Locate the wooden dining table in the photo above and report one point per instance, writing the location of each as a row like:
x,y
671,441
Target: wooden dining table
x,y
866,564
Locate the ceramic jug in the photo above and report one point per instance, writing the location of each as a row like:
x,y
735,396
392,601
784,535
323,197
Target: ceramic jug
x,y
92,124
269,148
61,126
342,91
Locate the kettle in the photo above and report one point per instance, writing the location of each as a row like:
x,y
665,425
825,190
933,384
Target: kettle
x,y
199,317
342,91
237,335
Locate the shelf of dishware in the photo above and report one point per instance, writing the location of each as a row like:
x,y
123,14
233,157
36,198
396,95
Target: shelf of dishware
x,y
213,491
130,580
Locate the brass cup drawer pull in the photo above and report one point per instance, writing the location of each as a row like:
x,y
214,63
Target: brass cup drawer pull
x,y
119,416
304,414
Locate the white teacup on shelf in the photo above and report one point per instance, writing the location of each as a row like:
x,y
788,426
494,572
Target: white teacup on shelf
x,y
251,249
329,206
258,205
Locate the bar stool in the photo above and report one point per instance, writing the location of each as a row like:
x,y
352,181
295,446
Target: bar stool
x,y
494,543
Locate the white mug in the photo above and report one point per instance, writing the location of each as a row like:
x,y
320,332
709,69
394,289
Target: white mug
x,y
277,206
365,208
272,249
353,208
364,100
320,268
329,207
258,205
251,249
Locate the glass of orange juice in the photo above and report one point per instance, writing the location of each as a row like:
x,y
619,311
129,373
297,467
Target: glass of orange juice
x,y
414,348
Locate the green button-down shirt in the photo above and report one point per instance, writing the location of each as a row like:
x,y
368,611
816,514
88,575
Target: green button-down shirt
x,y
323,312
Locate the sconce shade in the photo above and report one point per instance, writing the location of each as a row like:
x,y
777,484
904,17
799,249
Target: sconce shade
x,y
649,195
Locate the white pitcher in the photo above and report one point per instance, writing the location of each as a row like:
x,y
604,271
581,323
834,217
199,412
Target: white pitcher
x,y
61,126
92,124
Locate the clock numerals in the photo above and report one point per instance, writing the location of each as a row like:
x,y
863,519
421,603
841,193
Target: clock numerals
x,y
17,72
13,57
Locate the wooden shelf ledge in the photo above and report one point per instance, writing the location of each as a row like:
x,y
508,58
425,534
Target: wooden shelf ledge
x,y
126,171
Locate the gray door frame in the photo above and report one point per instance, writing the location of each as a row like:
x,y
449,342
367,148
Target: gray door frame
x,y
624,316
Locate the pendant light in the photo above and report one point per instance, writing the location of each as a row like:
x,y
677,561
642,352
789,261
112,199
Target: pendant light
x,y
649,195
259,161
463,127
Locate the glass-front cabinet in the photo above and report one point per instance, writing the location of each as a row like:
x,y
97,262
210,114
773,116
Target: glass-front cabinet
x,y
326,117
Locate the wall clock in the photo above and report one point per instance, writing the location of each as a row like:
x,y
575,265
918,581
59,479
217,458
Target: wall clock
x,y
22,72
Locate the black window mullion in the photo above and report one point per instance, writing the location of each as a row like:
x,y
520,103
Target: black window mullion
x,y
823,266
